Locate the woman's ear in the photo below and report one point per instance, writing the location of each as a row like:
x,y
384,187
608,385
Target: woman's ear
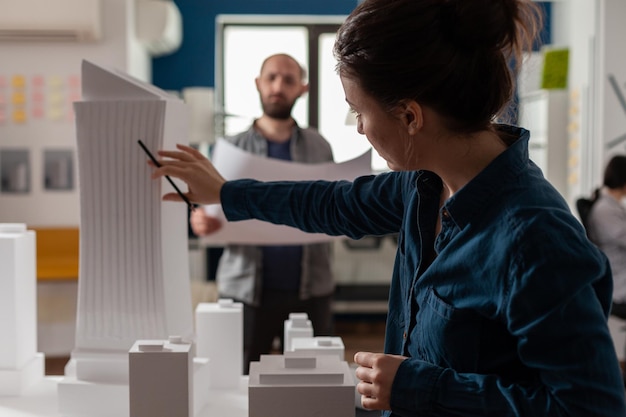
x,y
411,113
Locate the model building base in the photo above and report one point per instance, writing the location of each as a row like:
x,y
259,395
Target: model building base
x,y
78,398
288,386
13,382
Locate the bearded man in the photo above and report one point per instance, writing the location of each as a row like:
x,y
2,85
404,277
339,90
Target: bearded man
x,y
273,281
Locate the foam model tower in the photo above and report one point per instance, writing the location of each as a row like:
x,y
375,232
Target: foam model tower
x,y
219,337
303,386
298,325
20,364
134,279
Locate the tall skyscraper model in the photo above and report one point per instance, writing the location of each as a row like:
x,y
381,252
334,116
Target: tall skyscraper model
x,y
134,266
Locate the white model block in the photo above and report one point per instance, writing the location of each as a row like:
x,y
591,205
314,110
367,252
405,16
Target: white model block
x,y
320,345
18,308
278,389
298,325
219,337
161,378
20,364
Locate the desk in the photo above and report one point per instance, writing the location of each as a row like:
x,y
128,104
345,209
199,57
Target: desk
x,y
41,401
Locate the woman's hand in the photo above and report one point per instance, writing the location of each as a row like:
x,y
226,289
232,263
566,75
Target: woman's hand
x,y
203,181
376,372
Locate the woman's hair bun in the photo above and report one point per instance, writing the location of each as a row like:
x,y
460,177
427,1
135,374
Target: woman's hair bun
x,y
481,24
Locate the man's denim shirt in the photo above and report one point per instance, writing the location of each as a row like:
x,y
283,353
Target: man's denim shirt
x,y
504,313
239,274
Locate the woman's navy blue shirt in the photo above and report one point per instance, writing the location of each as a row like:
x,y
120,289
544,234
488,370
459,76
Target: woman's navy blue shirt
x,y
503,313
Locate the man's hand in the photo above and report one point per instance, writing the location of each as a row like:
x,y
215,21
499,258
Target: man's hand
x,y
202,224
376,372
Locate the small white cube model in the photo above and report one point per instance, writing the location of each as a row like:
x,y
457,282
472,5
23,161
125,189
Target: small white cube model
x,y
320,345
161,378
20,364
298,325
219,337
303,386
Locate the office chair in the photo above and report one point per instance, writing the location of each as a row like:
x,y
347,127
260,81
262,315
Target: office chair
x,y
584,205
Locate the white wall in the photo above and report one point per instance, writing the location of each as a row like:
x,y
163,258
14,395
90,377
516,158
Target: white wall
x,y
611,79
574,25
596,34
58,65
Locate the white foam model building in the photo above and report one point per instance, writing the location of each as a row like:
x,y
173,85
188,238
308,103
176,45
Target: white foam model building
x,y
219,337
20,364
161,378
320,345
297,325
134,279
303,386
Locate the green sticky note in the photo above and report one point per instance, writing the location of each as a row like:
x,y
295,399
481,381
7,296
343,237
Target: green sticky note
x,y
555,67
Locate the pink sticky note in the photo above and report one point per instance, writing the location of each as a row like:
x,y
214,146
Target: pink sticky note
x,y
37,112
38,81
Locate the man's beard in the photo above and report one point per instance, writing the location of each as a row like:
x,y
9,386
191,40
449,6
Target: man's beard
x,y
281,111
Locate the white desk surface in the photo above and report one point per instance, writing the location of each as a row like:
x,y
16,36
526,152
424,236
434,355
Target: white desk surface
x,y
41,401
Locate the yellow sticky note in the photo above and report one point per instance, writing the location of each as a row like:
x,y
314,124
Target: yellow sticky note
x,y
18,81
55,82
18,98
55,113
55,99
573,161
19,116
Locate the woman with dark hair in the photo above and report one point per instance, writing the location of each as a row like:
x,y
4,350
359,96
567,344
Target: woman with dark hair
x,y
498,303
607,228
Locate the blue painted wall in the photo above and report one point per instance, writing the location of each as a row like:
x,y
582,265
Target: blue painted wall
x,y
193,64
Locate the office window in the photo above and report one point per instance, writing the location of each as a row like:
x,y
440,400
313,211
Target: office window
x,y
242,44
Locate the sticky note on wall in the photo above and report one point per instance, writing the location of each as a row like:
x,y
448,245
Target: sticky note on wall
x,y
19,116
18,82
18,98
555,68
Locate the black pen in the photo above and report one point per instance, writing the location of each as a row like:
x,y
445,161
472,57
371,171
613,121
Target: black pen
x,y
154,160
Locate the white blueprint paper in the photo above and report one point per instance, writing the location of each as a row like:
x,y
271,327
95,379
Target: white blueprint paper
x,y
235,163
